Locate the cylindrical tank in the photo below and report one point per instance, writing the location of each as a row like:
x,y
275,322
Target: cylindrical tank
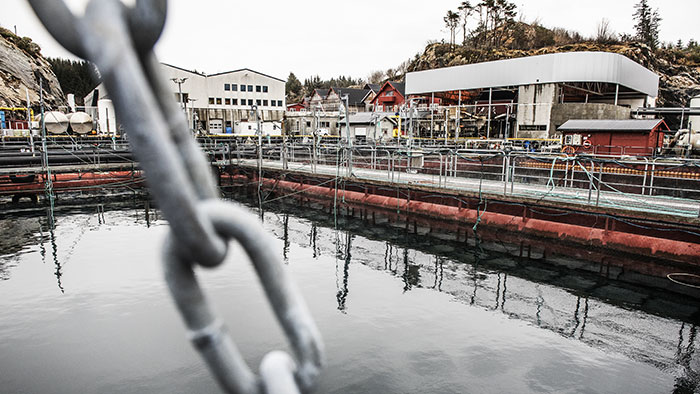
x,y
106,118
81,123
56,122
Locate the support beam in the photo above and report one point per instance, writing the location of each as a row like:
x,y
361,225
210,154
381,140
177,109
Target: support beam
x,y
488,124
459,115
432,116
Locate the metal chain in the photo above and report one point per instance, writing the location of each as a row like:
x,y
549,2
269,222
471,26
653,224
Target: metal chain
x,y
119,41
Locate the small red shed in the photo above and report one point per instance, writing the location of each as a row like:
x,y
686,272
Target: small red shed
x,y
639,137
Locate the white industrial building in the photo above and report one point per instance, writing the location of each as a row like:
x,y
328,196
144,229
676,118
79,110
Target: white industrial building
x,y
217,103
530,97
223,102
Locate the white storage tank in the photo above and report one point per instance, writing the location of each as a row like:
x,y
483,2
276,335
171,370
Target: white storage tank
x,y
694,121
81,123
56,122
106,117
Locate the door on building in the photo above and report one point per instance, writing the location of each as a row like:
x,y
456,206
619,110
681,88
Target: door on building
x,y
216,126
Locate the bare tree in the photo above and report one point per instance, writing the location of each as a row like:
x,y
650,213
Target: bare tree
x,y
604,33
376,77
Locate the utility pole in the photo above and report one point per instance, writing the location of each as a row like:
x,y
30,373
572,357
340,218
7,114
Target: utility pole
x,y
29,122
191,120
254,108
347,132
48,187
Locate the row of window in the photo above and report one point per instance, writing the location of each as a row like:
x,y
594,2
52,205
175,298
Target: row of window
x,y
230,101
232,87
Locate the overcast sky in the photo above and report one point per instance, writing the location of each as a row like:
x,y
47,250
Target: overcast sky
x,y
332,38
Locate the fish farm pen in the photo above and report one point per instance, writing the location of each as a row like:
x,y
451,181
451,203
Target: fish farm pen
x,y
609,233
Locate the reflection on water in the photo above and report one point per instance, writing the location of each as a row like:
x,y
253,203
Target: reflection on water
x,y
375,345
342,254
54,250
24,228
599,312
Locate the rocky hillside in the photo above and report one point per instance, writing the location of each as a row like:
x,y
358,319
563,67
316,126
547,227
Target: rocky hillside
x,y
680,76
22,67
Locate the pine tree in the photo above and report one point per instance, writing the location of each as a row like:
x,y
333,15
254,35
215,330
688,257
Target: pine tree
x,y
647,23
293,88
451,22
73,76
465,11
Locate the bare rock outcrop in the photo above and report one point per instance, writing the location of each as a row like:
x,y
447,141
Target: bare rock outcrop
x,y
22,67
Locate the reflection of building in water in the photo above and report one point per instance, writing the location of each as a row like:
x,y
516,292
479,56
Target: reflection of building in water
x,y
568,303
41,227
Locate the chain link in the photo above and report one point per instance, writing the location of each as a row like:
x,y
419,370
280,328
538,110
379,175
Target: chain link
x,y
119,41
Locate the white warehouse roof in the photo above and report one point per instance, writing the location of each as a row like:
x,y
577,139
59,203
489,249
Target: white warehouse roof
x,y
553,68
610,125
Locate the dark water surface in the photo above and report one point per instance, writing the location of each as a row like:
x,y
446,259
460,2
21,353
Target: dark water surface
x,y
84,309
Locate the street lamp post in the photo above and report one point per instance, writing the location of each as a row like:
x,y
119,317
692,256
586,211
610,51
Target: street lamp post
x,y
179,82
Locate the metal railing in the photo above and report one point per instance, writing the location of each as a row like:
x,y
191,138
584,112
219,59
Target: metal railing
x,y
662,184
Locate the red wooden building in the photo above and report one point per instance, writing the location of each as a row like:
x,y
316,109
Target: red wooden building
x,y
390,97
638,137
296,107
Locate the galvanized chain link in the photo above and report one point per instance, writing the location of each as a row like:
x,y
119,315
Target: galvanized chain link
x,y
119,41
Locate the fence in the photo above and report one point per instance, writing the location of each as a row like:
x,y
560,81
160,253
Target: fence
x,y
662,184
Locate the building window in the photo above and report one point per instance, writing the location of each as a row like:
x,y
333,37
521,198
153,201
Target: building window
x,y
264,103
211,100
389,93
258,88
308,124
258,102
265,89
250,102
234,101
227,101
279,103
273,103
234,87
250,88
242,88
218,101
227,86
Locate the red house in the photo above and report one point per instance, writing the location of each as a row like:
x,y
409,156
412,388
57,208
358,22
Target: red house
x,y
390,97
296,107
639,137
